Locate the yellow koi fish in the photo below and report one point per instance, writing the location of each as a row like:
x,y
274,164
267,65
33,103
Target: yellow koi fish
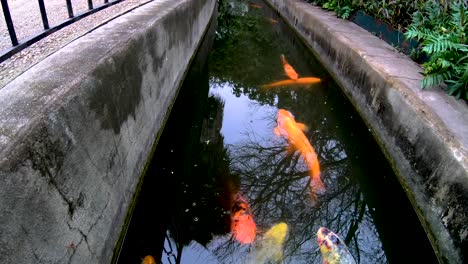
x,y
270,247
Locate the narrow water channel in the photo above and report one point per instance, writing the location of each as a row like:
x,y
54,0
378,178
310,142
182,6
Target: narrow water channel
x,y
229,184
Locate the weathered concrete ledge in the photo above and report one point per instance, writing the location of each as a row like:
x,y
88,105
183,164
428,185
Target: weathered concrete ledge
x,y
76,131
423,133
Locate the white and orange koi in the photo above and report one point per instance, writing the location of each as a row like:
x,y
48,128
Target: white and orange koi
x,y
333,248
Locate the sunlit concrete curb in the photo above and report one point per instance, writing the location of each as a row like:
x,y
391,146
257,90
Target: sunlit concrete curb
x,y
423,133
77,129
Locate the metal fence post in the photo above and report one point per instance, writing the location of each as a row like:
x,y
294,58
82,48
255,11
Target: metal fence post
x,y
9,23
45,22
69,8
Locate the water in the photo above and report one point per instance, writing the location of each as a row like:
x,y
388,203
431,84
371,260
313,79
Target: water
x,y
219,141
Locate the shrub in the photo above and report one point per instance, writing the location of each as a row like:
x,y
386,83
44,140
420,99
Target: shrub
x,y
442,28
342,8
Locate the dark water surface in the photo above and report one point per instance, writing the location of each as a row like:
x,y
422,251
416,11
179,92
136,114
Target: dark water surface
x,y
219,141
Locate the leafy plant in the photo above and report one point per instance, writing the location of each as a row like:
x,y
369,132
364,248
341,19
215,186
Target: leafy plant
x,y
443,29
342,8
397,13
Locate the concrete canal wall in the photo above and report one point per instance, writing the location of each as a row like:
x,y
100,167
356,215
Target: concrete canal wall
x,y
77,129
423,133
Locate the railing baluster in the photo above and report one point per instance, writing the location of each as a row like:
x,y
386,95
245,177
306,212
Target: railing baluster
x,y
19,46
70,9
9,22
45,22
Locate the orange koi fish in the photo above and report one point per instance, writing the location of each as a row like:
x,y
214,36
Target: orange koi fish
x,y
255,6
243,227
300,81
288,69
294,133
148,260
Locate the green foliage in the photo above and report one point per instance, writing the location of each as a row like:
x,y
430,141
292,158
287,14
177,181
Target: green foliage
x,y
442,28
397,13
342,8
394,12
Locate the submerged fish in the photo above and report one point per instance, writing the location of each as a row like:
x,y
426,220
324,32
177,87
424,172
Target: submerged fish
x,y
255,5
270,247
333,248
243,227
148,260
298,82
294,132
272,20
288,69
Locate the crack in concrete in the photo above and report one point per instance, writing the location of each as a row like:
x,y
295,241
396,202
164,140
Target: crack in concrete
x,y
26,233
47,173
90,159
71,205
119,160
84,236
100,215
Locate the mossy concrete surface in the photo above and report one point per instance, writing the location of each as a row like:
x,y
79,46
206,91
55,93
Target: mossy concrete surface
x,y
77,129
423,133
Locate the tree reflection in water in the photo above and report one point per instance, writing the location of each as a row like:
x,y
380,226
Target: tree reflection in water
x,y
273,180
276,183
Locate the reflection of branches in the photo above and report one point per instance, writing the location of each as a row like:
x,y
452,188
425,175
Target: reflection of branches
x,y
276,181
169,251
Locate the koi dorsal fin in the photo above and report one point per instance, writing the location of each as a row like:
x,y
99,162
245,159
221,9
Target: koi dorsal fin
x,y
302,127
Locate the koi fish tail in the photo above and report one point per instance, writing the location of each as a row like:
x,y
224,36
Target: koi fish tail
x,y
317,185
288,69
313,163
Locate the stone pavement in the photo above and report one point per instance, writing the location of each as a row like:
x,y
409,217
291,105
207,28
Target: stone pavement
x,y
27,21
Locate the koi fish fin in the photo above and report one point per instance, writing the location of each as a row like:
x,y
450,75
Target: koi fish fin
x,y
278,256
290,149
277,131
302,127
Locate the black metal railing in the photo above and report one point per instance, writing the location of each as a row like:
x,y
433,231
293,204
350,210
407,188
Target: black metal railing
x,y
18,46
